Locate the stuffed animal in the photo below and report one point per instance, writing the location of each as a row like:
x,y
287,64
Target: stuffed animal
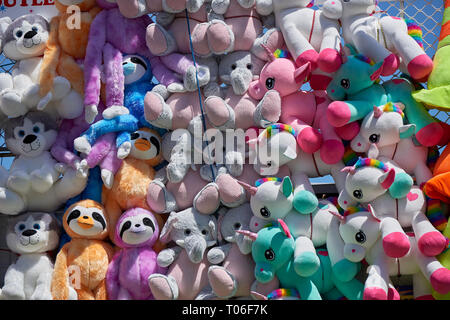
x,y
137,8
138,75
136,232
34,182
367,182
281,101
272,199
232,273
436,94
444,259
438,186
24,40
193,233
361,230
355,94
383,135
31,236
381,38
273,252
86,257
312,39
131,181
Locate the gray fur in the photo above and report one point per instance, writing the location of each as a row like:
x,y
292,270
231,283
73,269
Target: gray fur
x,y
37,216
34,116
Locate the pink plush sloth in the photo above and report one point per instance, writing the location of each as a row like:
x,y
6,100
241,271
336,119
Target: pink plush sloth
x,y
126,279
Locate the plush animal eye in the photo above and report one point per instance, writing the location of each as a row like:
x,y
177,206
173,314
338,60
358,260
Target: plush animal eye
x,y
36,226
358,194
97,216
19,34
374,138
21,133
249,66
35,29
187,232
237,225
264,212
360,237
36,129
269,254
270,83
204,232
22,227
233,66
345,83
134,135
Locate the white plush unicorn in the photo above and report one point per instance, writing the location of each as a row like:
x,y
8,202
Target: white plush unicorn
x,y
367,182
381,38
361,229
383,136
308,32
277,146
273,198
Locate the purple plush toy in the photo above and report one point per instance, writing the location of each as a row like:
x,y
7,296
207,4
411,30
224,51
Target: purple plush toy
x,y
127,277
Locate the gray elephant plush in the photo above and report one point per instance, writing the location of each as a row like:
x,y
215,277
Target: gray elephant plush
x,y
235,274
193,233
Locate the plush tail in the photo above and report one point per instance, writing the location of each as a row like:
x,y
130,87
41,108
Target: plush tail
x,y
415,31
435,214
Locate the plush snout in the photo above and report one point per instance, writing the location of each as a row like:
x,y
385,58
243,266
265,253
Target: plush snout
x,y
256,90
354,252
263,272
195,247
240,80
359,145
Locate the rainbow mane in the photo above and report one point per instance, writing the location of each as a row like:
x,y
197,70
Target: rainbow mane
x,y
390,107
415,31
280,293
364,58
268,132
368,162
262,180
352,210
280,53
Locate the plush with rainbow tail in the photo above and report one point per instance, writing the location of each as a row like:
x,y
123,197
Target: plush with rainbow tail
x,y
273,252
368,182
356,93
135,233
381,39
276,147
362,231
437,94
312,39
281,101
273,199
385,136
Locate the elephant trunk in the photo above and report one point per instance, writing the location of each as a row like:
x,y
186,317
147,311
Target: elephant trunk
x,y
195,247
240,80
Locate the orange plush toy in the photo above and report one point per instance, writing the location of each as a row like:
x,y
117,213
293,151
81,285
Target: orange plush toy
x,y
86,257
438,187
67,43
131,181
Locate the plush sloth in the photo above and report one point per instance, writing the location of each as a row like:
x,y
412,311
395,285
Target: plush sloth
x,y
36,182
30,235
86,257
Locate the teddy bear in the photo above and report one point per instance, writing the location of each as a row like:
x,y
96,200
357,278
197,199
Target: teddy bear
x,y
83,262
232,272
34,181
126,279
193,234
24,40
30,235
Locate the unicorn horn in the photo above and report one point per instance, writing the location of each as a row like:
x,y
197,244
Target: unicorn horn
x,y
253,236
338,215
269,52
350,170
248,188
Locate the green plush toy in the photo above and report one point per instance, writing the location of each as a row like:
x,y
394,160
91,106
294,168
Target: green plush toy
x,y
444,259
437,96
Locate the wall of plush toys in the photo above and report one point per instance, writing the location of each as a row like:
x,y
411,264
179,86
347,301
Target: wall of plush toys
x,y
105,201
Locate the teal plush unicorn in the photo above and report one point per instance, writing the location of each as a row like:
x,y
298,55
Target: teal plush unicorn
x,y
355,90
273,253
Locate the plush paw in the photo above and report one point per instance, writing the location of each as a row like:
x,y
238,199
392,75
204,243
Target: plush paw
x,y
176,87
329,60
216,256
338,113
219,113
82,145
82,168
159,199
19,181
432,243
11,103
374,293
440,280
268,110
124,150
222,282
41,181
41,294
231,192
12,293
420,67
220,6
345,270
90,112
220,37
310,139
61,87
306,264
332,151
44,101
207,200
114,111
163,287
107,178
192,74
305,202
396,244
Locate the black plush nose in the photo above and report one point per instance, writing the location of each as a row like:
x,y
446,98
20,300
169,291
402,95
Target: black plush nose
x,y
28,233
30,34
29,138
137,225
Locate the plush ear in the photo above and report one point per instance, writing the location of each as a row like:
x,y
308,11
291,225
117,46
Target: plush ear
x,y
285,228
286,187
372,213
250,189
406,130
168,226
290,153
4,23
301,74
377,68
387,179
373,151
47,219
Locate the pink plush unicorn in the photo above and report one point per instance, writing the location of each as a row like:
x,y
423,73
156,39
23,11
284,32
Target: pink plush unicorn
x,y
278,88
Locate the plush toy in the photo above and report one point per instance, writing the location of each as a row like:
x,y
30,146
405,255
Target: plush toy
x,y
281,100
131,181
355,94
193,233
277,146
87,256
438,186
136,232
24,40
444,259
137,8
31,236
367,182
361,230
383,135
272,199
381,38
436,95
273,253
34,182
232,275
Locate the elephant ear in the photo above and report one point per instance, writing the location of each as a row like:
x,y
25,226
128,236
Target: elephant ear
x,y
168,227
